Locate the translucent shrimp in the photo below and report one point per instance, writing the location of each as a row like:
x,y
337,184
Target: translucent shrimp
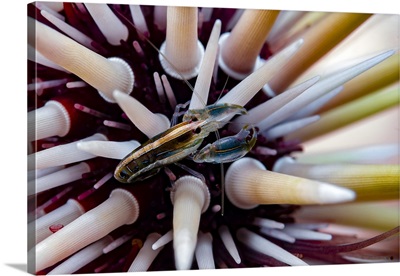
x,y
183,140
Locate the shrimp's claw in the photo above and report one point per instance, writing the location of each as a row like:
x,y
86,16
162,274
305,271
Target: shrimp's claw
x,y
228,149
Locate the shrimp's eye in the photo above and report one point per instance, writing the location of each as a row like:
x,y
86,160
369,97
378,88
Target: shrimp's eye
x,y
197,130
123,175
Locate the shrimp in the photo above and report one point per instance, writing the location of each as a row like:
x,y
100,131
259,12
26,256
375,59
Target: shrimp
x,y
183,140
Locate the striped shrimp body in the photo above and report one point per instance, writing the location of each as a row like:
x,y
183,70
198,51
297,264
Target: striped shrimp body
x,y
183,140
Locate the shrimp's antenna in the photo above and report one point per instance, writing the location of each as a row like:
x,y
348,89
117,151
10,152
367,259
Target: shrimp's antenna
x,y
223,88
165,57
221,165
222,188
127,21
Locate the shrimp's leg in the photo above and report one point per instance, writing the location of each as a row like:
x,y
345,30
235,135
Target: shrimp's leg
x,y
191,171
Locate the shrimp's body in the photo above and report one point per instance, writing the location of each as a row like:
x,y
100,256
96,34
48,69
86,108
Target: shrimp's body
x,y
183,140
